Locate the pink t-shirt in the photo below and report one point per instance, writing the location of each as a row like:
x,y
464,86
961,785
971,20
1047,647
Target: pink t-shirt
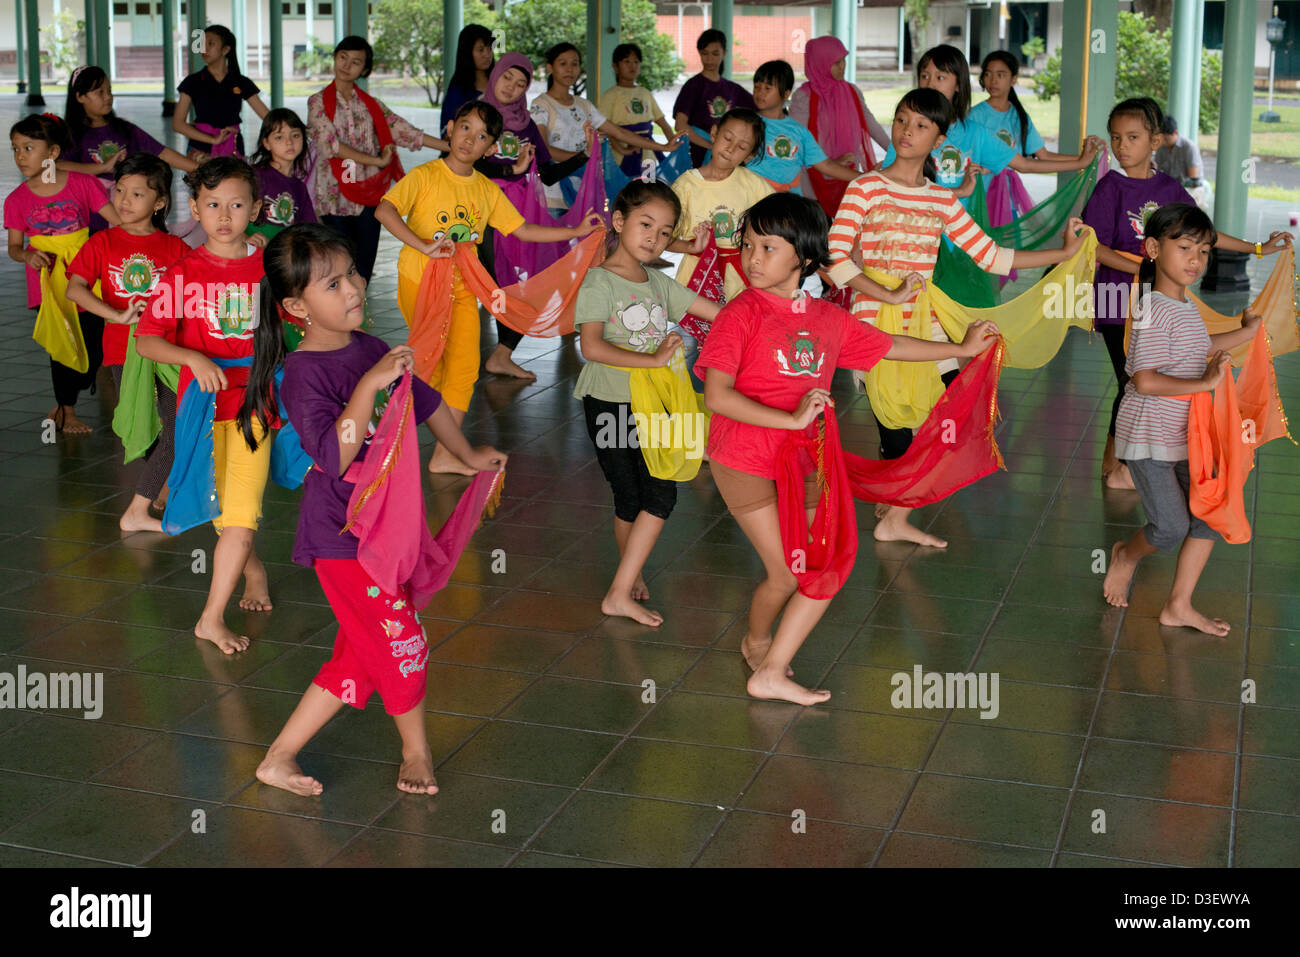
x,y
777,349
65,212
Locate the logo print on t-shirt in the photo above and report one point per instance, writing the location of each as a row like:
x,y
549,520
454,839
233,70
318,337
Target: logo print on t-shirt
x,y
1139,219
508,146
134,276
105,151
1005,136
231,315
280,209
718,106
723,219
636,106
950,161
782,147
803,358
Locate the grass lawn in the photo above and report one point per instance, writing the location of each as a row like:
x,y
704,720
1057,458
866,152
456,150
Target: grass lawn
x,y
1267,139
1044,113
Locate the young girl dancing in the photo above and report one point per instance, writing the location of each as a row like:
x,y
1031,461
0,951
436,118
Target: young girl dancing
x,y
128,262
1118,210
52,210
202,319
336,385
894,218
217,92
622,314
708,96
631,107
789,148
282,168
767,368
1167,359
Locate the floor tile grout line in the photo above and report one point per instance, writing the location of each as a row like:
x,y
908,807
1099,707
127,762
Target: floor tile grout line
x,y
1241,704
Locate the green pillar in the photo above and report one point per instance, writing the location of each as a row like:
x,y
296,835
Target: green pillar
x,y
92,28
169,57
1192,130
1089,31
238,25
989,32
721,19
198,20
1233,167
277,55
33,26
844,27
20,38
1185,63
357,26
603,24
453,21
340,26
104,38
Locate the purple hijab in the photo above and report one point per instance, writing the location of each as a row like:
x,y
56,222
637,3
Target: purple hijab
x,y
514,114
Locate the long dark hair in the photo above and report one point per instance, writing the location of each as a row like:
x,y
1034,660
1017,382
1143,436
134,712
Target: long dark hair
x,y
157,176
1170,222
1009,60
273,120
936,108
227,40
84,79
466,74
291,260
948,59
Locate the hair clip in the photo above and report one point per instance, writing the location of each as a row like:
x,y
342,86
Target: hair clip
x,y
76,73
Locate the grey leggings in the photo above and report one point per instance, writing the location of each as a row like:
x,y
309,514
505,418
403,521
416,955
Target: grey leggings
x,y
158,460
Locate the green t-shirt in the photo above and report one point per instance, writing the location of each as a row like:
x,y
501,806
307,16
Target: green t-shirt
x,y
636,317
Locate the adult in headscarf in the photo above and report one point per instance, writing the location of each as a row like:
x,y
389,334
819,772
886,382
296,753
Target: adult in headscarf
x,y
520,140
474,62
837,114
356,139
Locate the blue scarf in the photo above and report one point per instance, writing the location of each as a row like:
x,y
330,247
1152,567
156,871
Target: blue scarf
x,y
192,499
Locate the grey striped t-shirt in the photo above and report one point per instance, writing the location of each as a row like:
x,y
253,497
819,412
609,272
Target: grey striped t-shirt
x,y
1170,338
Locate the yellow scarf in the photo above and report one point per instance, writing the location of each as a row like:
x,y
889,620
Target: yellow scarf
x,y
671,420
1033,326
58,329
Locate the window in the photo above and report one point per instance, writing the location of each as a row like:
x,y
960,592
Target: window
x,y
120,9
297,9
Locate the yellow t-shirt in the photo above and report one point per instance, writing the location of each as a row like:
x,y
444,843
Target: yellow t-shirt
x,y
720,204
435,202
627,106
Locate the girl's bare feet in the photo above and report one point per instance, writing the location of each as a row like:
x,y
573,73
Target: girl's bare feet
x,y
257,593
755,651
767,684
894,527
626,607
282,771
1180,615
1119,576
136,518
501,362
1109,462
444,463
219,633
66,421
1120,477
416,774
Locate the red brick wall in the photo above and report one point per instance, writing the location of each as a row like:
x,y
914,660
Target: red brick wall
x,y
754,39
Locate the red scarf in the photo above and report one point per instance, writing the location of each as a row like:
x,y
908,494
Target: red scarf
x,y
368,191
709,280
828,189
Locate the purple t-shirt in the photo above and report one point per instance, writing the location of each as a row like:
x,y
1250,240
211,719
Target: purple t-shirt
x,y
498,164
316,389
1118,210
285,199
100,143
66,211
704,101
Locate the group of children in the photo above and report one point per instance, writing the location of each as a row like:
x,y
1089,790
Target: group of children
x,y
220,316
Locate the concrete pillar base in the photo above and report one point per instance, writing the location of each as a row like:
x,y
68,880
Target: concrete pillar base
x,y
1227,272
35,99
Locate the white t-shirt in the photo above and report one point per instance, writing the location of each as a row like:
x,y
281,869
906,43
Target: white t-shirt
x,y
564,129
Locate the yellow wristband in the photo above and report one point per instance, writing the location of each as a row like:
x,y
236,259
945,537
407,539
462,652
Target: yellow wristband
x,y
1259,251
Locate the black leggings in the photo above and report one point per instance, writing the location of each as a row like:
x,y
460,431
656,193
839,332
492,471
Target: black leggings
x,y
1113,336
487,256
894,442
158,460
363,230
635,489
69,383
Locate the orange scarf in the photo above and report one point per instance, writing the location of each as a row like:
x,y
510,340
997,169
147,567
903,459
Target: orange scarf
x,y
541,305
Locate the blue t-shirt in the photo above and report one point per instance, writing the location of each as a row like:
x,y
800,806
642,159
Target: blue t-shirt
x,y
1006,127
788,149
966,142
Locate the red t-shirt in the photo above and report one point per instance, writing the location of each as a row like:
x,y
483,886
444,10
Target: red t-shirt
x,y
777,354
209,304
127,267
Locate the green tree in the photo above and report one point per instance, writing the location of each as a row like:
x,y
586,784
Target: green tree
x,y
407,37
316,60
533,27
64,40
918,18
1142,68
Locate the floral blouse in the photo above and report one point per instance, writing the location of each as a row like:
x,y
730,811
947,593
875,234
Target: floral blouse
x,y
351,127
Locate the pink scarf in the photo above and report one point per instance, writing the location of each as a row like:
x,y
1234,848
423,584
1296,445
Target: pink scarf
x,y
386,509
226,148
839,129
517,260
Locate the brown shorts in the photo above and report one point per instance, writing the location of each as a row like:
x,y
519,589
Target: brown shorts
x,y
745,493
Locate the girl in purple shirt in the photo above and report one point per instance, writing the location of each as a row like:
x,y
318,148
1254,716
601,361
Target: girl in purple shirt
x,y
282,166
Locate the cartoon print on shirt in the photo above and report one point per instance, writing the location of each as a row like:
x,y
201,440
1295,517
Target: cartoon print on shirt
x,y
803,358
647,323
461,224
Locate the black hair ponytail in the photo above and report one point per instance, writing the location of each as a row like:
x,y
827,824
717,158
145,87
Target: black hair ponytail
x,y
227,39
268,353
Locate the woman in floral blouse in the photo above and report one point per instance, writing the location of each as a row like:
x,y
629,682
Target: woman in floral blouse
x,y
356,139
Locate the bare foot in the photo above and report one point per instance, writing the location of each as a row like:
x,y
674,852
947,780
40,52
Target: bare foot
x,y
1185,616
1108,461
640,591
764,684
894,528
882,510
133,521
624,606
1121,477
416,774
257,593
1119,576
71,424
284,773
500,362
444,463
755,651
220,635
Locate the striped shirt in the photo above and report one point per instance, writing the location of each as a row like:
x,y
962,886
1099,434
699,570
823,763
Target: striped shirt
x,y
1169,338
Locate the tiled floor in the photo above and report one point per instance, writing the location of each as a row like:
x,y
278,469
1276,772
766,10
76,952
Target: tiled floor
x,y
1117,741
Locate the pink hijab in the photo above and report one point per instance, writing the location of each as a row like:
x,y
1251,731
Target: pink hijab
x,y
515,114
839,127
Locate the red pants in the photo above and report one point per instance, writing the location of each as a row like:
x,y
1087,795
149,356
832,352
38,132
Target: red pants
x,y
380,645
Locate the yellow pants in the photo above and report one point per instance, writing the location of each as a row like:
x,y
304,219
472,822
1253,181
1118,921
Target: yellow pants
x,y
457,370
241,474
